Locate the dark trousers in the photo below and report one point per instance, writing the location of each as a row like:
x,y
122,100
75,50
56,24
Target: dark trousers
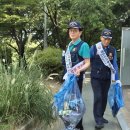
x,y
100,90
80,84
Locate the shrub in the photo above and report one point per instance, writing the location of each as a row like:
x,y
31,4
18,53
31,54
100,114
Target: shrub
x,y
49,60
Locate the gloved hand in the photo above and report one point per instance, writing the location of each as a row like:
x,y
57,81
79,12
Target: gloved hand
x,y
119,82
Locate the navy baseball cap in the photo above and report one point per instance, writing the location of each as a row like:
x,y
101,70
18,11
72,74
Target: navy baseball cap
x,y
75,24
106,33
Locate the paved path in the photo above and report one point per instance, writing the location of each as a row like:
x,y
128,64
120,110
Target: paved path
x,y
88,118
88,121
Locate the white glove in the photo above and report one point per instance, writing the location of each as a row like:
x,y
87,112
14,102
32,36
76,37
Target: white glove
x,y
119,82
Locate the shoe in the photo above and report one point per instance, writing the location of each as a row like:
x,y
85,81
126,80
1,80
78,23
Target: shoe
x,y
104,120
99,125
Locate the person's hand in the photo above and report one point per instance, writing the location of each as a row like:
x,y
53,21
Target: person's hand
x,y
77,72
113,81
119,82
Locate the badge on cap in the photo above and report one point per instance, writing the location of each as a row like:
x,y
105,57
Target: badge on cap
x,y
73,24
107,33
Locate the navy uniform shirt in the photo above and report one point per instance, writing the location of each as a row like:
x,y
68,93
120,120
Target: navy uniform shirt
x,y
114,60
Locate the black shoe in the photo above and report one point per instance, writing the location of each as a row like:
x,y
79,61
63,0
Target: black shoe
x,y
99,125
104,120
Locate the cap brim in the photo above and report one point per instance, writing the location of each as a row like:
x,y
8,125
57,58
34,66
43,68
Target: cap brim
x,y
107,37
73,27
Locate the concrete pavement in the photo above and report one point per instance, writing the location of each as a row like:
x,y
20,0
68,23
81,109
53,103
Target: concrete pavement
x,y
89,123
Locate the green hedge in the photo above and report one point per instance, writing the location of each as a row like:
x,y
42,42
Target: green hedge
x,y
49,60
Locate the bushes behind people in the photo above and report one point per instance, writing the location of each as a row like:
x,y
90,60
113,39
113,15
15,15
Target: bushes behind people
x,y
49,60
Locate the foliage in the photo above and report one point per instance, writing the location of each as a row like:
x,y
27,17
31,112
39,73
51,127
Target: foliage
x,y
58,14
121,10
49,60
5,127
20,18
94,15
23,95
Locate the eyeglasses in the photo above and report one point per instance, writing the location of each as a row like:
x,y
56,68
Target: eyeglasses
x,y
74,30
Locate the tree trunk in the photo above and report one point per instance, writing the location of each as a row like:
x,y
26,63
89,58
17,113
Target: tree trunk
x,y
22,60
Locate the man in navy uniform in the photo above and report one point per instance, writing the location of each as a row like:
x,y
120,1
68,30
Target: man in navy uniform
x,y
101,75
79,51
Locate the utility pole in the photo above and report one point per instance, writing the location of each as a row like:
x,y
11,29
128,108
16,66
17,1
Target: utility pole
x,y
45,27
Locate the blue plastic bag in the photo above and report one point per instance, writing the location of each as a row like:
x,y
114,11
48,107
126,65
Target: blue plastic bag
x,y
115,98
69,103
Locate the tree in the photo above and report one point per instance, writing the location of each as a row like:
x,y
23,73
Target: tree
x,y
94,16
18,20
58,13
121,10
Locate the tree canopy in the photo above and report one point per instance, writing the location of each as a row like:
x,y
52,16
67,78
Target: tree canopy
x,y
20,18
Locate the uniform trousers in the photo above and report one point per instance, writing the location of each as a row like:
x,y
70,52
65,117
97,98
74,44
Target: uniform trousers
x,y
100,90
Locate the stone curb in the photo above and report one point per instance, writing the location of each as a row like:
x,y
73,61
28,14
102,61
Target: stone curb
x,y
122,120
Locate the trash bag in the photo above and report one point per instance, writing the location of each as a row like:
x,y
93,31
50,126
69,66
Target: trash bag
x,y
115,98
69,103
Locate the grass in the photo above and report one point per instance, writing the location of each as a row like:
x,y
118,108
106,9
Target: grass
x,y
24,96
5,127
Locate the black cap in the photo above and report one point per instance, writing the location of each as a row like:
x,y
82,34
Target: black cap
x,y
75,24
106,33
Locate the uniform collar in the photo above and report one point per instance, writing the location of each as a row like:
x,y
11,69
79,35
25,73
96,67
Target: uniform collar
x,y
105,47
76,42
